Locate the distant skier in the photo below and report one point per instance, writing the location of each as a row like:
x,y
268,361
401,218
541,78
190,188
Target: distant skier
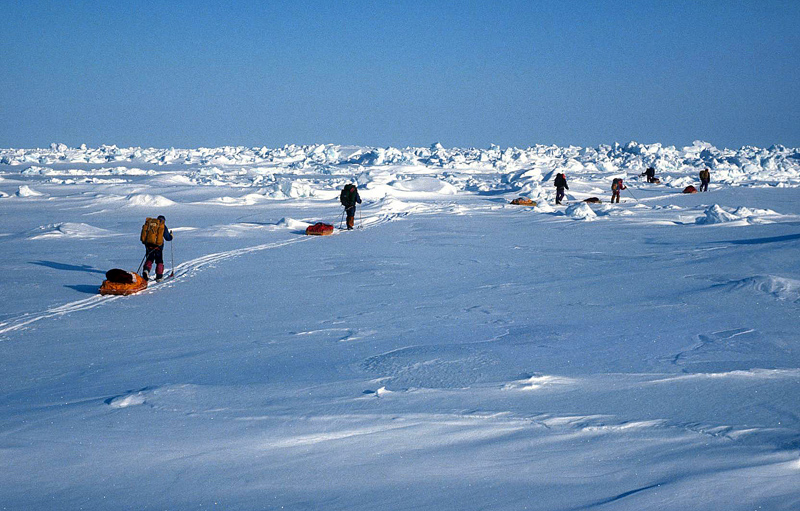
x,y
705,178
616,188
154,234
650,173
349,198
560,183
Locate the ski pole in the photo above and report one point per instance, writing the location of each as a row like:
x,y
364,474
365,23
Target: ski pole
x,y
146,255
341,220
138,268
172,254
360,223
634,197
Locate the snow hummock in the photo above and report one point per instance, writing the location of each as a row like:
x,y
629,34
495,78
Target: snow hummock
x,y
424,185
27,191
291,223
133,399
580,211
146,200
716,214
539,382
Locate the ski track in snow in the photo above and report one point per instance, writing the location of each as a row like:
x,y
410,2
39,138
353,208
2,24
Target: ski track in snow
x,y
182,271
26,319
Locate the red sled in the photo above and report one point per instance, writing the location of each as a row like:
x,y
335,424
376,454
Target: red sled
x,y
690,189
319,229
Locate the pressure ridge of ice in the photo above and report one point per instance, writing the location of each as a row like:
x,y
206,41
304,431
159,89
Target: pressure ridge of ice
x,y
775,166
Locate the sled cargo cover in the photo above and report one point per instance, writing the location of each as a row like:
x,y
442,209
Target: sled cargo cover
x,y
319,229
121,282
690,189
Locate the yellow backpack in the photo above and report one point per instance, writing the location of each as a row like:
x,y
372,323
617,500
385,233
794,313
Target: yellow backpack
x,y
153,232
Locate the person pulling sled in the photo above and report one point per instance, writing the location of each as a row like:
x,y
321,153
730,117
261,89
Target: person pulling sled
x,y
705,178
560,183
616,188
349,198
154,234
651,175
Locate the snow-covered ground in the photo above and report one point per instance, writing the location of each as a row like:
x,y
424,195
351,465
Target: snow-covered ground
x,y
455,352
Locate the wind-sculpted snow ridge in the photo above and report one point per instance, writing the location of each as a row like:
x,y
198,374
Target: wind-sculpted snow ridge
x,y
753,166
69,230
781,288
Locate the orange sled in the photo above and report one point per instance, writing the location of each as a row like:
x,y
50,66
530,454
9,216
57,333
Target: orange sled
x,y
121,282
319,229
522,201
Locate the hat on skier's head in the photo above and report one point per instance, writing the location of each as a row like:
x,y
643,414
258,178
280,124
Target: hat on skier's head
x,y
162,217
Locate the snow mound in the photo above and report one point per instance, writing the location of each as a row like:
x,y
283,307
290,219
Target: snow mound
x,y
744,212
681,182
69,230
248,200
175,179
580,211
291,223
148,200
27,191
392,205
428,185
290,189
135,399
716,214
238,229
538,382
782,288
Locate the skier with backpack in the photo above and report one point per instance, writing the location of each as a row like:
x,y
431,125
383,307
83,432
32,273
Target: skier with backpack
x,y
616,188
349,198
154,234
560,183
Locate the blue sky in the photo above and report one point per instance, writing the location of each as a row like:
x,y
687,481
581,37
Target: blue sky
x,y
400,73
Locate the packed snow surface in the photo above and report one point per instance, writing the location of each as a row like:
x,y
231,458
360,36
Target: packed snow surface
x,y
454,351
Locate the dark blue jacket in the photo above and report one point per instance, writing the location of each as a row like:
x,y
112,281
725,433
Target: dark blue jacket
x,y
167,234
